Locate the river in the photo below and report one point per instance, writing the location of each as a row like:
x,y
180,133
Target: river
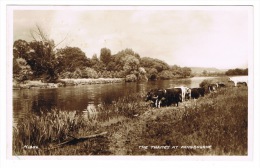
x,y
79,98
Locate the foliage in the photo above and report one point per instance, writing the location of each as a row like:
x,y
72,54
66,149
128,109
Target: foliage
x,y
40,56
105,55
21,70
131,78
237,71
21,49
152,73
71,58
131,64
154,63
89,73
205,83
166,74
42,60
186,72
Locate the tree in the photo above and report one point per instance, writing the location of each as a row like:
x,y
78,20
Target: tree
x,y
21,49
42,60
105,55
205,72
39,54
131,64
159,65
71,58
21,70
166,74
151,73
89,73
131,78
237,71
186,72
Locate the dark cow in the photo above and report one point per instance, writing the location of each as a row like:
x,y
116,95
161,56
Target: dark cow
x,y
155,95
197,92
172,96
201,91
220,85
164,97
152,95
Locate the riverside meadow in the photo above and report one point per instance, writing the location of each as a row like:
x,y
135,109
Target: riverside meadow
x,y
216,124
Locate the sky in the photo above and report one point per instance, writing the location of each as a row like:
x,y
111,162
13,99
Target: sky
x,y
219,37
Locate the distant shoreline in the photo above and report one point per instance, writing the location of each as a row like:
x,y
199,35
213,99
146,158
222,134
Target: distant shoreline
x,y
65,82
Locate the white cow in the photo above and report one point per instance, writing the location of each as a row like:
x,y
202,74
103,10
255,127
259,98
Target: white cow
x,y
184,91
239,79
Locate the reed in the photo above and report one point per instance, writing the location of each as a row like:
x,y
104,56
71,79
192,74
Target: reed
x,y
51,127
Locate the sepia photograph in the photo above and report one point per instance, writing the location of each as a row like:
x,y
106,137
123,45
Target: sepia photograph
x,y
130,80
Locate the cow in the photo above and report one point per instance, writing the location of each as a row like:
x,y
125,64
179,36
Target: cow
x,y
172,96
164,97
188,94
183,90
201,91
212,87
155,95
197,92
237,80
219,84
152,96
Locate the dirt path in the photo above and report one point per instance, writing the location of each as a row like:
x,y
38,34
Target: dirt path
x,y
126,136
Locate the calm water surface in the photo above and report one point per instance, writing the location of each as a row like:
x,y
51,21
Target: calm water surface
x,y
81,97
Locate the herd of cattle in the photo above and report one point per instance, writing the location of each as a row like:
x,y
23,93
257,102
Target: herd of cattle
x,y
167,97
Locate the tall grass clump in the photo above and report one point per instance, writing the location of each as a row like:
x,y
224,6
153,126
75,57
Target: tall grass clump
x,y
42,130
128,106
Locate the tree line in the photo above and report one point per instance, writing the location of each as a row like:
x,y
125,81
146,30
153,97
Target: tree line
x,y
40,59
237,71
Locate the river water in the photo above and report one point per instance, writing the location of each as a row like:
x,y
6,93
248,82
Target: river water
x,y
81,97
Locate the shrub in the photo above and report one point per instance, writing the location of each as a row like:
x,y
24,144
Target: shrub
x,y
166,74
89,73
131,78
205,84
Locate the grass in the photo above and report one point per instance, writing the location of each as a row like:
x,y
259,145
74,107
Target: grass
x,y
218,120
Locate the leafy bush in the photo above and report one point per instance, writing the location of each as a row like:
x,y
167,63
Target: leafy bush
x,y
166,74
205,84
131,78
89,73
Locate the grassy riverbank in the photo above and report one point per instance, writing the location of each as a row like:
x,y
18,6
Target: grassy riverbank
x,y
212,125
